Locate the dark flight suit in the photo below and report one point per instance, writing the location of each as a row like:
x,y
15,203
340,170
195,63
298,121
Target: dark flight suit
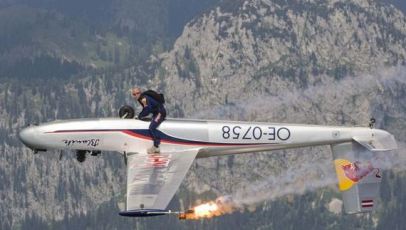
x,y
150,105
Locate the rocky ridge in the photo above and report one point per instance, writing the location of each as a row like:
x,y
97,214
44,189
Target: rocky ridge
x,y
272,47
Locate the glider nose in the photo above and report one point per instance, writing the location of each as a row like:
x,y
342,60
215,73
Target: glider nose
x,y
27,136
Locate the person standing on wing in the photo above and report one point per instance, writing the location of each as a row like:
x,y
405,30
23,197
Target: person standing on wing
x,y
152,103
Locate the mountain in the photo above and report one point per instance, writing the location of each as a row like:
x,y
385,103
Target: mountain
x,y
60,39
401,5
274,46
321,62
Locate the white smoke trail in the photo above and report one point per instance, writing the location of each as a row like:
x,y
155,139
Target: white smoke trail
x,y
349,101
391,160
307,177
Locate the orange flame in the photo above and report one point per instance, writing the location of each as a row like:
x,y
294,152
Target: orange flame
x,y
220,206
207,210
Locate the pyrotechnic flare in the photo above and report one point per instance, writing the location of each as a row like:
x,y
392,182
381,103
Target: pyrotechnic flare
x,y
222,205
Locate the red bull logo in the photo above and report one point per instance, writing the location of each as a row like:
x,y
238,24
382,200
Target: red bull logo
x,y
151,161
349,173
356,171
158,160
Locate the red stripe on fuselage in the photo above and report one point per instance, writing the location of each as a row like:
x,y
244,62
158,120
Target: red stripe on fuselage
x,y
140,136
184,143
86,131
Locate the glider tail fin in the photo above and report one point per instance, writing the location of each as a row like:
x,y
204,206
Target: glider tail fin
x,y
358,179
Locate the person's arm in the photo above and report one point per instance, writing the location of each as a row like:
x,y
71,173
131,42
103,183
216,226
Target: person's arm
x,y
146,108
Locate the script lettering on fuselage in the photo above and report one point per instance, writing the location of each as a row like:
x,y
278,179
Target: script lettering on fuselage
x,y
250,133
85,142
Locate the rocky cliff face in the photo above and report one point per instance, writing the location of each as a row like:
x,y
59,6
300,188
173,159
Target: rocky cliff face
x,y
287,62
321,62
272,47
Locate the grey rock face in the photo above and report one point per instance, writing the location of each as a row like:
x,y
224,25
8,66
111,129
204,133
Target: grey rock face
x,y
281,62
270,47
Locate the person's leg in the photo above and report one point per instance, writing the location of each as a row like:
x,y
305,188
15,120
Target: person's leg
x,y
154,133
156,121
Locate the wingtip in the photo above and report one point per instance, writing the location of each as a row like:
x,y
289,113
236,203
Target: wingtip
x,y
144,212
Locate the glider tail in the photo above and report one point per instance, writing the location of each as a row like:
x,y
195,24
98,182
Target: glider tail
x,y
358,178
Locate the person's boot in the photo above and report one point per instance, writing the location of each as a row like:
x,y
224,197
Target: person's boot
x,y
153,150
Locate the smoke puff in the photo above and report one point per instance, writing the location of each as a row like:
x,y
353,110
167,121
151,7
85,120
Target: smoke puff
x,y
351,100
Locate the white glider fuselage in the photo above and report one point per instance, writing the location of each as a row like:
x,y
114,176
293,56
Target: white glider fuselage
x,y
153,179
210,138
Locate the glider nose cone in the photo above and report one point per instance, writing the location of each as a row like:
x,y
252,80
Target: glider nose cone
x,y
27,136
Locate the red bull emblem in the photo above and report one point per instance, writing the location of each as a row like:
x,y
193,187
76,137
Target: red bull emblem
x,y
158,160
151,161
349,173
357,170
